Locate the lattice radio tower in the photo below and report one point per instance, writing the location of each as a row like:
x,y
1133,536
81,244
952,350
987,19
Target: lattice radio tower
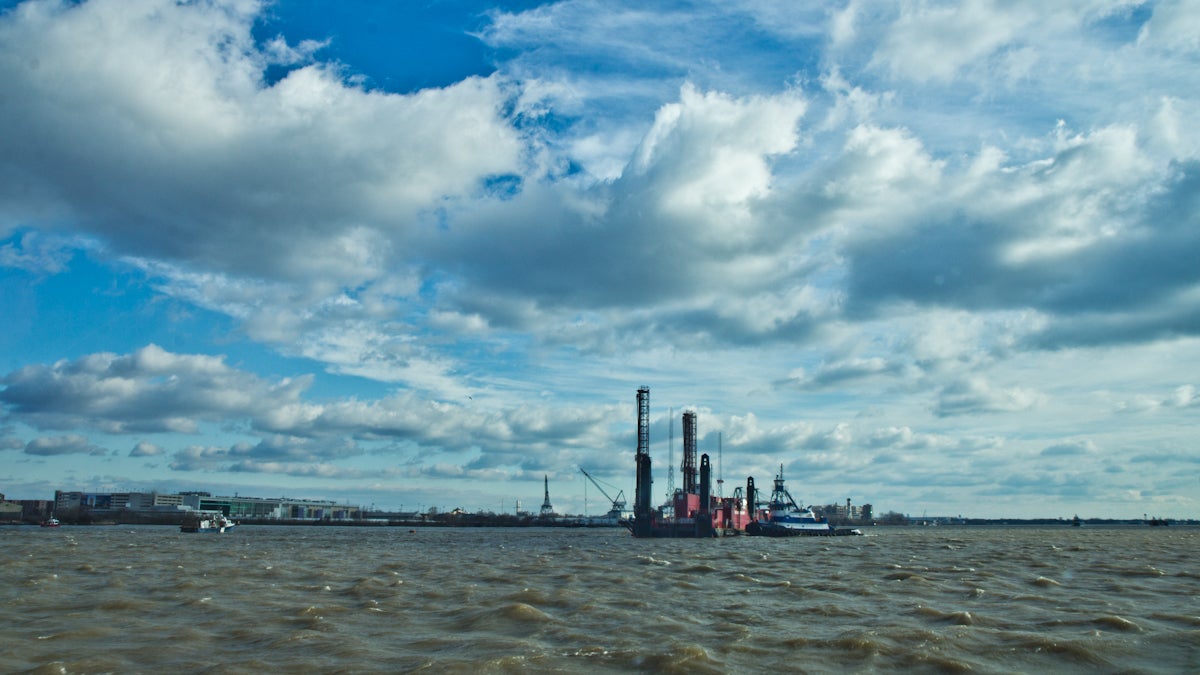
x,y
547,510
670,452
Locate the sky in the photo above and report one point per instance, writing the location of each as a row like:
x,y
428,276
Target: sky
x,y
939,257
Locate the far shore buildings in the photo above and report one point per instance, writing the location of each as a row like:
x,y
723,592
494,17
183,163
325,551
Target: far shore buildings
x,y
30,510
846,513
150,503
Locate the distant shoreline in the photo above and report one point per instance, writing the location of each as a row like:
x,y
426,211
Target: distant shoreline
x,y
514,521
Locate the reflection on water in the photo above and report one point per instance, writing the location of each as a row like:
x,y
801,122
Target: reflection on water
x,y
122,599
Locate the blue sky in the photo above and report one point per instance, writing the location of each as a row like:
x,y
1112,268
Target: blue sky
x,y
938,257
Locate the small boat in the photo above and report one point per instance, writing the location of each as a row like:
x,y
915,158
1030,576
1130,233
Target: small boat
x,y
785,518
209,522
51,522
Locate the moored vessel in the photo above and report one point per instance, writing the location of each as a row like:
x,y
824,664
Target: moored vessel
x,y
785,518
209,522
693,511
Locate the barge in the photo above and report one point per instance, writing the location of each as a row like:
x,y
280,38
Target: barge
x,y
694,512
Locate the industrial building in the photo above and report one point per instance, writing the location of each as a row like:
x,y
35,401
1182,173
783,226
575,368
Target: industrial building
x,y
27,510
847,512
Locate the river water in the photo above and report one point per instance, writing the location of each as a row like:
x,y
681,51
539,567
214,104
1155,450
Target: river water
x,y
124,599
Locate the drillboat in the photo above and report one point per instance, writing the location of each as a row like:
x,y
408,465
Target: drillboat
x,y
785,518
209,522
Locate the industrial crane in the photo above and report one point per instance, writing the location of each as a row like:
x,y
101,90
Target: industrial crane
x,y
618,504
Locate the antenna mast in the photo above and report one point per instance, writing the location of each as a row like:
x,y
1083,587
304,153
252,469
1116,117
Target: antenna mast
x,y
670,452
720,475
547,509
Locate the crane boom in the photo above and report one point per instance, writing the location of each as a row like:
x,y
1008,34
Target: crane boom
x,y
618,504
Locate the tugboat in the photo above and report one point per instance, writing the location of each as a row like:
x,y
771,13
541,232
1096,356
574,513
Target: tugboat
x,y
785,518
51,522
209,522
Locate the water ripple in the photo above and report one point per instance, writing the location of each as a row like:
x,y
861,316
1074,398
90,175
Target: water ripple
x,y
278,599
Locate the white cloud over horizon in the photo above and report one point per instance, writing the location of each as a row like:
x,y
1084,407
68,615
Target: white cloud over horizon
x,y
919,254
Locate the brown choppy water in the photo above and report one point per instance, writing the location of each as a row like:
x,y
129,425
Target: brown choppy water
x,y
342,599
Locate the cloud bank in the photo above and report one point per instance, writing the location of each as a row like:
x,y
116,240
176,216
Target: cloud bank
x,y
892,247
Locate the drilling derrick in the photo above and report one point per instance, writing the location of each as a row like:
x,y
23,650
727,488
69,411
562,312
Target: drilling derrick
x,y
641,501
689,452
